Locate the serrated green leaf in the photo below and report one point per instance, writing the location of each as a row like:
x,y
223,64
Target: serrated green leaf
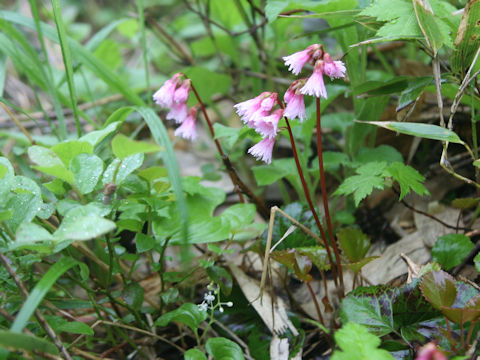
x,y
369,178
223,349
408,178
187,314
356,342
427,131
450,250
123,146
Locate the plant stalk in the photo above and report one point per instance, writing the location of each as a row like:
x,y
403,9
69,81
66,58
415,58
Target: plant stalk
x,y
324,196
310,203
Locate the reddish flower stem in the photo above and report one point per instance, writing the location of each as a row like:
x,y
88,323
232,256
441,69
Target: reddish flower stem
x,y
310,203
317,307
238,185
325,198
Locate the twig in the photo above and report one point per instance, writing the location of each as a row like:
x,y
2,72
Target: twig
x,y
438,87
18,123
43,323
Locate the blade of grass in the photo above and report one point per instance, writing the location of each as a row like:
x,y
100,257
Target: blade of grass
x,y
141,20
67,60
81,54
51,85
26,342
39,292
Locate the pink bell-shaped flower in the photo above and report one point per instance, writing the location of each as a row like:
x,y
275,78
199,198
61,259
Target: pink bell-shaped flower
x,y
181,94
164,96
188,129
178,112
253,109
263,150
295,104
267,126
315,85
333,69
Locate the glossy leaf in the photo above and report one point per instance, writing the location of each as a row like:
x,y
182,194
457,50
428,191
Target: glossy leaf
x,y
133,295
223,349
67,150
194,354
86,169
450,250
439,289
187,314
427,131
84,228
118,170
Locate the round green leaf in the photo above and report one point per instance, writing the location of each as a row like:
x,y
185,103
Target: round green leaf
x,y
223,349
194,354
439,289
450,250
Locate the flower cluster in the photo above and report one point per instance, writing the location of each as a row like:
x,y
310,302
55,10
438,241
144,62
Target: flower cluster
x,y
257,112
209,298
173,95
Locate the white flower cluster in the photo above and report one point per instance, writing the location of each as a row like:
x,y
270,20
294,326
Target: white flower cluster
x,y
209,298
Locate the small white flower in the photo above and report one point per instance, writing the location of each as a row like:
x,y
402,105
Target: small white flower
x,y
209,297
229,304
203,306
221,309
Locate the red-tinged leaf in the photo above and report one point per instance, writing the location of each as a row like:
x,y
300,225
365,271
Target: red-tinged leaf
x,y
354,244
439,289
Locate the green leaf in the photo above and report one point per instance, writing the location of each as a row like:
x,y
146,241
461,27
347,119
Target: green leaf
x,y
40,290
187,314
399,24
362,185
84,228
295,260
86,169
427,131
238,216
18,341
123,146
118,170
194,354
29,234
467,39
223,349
95,137
133,295
278,169
356,342
408,178
318,256
428,25
75,327
354,244
109,53
415,87
144,242
368,312
476,261
439,289
67,150
451,249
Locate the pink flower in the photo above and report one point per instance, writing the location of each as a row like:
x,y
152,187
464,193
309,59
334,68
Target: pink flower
x,y
178,112
267,126
295,104
250,110
315,85
263,150
181,94
297,61
334,69
164,95
188,129
430,352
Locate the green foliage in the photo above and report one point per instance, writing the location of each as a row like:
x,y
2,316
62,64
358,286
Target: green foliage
x,y
356,342
187,314
222,349
450,250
